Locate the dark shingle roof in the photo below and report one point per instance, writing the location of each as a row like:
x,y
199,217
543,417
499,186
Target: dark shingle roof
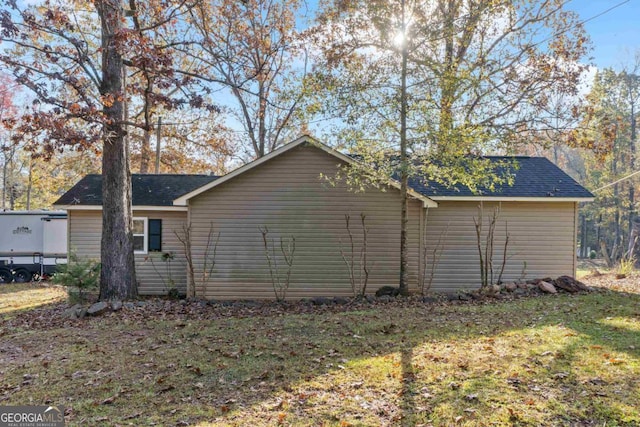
x,y
534,177
147,190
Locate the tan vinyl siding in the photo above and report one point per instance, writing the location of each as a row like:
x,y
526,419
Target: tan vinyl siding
x,y
85,228
541,234
287,195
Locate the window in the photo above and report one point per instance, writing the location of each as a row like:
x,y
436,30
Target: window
x,y
155,235
147,235
140,235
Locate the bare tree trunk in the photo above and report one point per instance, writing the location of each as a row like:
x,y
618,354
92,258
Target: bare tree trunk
x,y
4,182
117,276
404,167
145,151
632,210
29,184
262,126
616,198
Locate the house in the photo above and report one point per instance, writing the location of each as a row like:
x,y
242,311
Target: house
x,y
286,194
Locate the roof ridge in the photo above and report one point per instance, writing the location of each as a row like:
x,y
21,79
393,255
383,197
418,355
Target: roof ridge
x,y
172,174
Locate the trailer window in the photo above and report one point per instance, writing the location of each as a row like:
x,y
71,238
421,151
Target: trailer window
x,y
140,235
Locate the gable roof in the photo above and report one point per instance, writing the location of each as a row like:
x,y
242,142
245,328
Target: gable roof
x,y
305,139
534,178
146,190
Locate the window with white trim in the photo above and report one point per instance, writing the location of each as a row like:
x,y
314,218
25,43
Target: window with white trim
x,y
140,233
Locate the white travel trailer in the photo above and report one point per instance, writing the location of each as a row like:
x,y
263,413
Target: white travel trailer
x,y
32,244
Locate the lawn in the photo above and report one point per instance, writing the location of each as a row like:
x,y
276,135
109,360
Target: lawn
x,y
17,297
551,360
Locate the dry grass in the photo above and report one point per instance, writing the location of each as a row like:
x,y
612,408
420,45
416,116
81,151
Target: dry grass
x,y
629,284
553,360
16,297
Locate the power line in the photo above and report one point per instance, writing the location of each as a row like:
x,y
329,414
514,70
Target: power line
x,y
618,181
584,21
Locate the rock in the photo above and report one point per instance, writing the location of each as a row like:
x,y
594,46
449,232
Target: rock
x,y
116,305
340,301
570,284
465,297
369,298
452,297
320,301
547,287
130,305
495,289
82,312
510,287
429,300
385,298
72,312
520,291
251,303
98,308
388,290
523,285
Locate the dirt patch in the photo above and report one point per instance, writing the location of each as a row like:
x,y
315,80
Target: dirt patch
x,y
629,284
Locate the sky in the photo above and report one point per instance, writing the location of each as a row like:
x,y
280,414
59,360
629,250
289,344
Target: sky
x,y
615,34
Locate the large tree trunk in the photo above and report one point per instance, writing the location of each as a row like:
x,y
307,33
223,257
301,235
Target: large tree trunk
x,y
404,168
118,276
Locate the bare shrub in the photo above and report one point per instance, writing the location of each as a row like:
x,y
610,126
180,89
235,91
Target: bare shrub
x,y
486,252
209,257
287,249
359,282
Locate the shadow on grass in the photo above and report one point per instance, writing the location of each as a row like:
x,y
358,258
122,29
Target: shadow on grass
x,y
407,391
363,368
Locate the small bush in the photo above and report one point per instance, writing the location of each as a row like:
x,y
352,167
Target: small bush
x,y
625,267
173,293
80,276
592,254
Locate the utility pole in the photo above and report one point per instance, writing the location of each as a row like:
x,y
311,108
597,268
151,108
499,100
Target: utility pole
x,y
158,145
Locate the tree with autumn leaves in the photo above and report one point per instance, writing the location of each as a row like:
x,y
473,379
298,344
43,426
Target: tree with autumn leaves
x,y
426,87
608,132
253,51
102,72
84,63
